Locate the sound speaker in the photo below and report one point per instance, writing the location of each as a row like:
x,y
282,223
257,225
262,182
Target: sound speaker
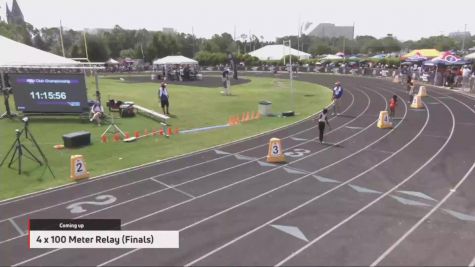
x,y
77,139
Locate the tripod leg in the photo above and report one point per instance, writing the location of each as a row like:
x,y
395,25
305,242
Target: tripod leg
x,y
9,151
12,159
41,153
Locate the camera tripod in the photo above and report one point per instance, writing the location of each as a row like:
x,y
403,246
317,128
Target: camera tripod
x,y
19,150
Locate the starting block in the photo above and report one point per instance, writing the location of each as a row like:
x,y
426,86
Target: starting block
x,y
383,120
422,91
275,153
78,168
417,102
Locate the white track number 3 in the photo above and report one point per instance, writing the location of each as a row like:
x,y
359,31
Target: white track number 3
x,y
297,152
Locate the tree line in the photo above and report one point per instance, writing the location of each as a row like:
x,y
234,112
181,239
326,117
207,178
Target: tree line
x,y
149,45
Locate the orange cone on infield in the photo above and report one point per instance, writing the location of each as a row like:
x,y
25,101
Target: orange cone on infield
x,y
275,153
127,135
169,131
247,116
137,134
177,130
154,132
161,131
253,116
104,139
116,137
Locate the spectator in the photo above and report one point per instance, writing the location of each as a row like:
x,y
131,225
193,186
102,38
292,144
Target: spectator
x,y
97,112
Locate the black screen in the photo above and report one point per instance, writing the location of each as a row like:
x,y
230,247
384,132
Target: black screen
x,y
49,93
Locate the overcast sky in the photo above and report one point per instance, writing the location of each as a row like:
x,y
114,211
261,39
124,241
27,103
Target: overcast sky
x,y
405,19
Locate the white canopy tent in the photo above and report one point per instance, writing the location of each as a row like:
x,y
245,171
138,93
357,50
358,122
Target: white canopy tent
x,y
470,56
331,57
171,60
277,52
112,61
17,55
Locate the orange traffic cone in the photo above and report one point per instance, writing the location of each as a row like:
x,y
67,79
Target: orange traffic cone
x,y
154,132
169,132
258,115
116,137
161,131
247,116
137,134
177,130
104,139
127,135
145,132
230,121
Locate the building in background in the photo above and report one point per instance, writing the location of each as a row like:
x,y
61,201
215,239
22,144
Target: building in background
x,y
459,35
14,15
330,30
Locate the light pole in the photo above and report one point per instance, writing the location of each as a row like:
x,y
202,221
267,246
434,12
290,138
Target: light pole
x,y
291,112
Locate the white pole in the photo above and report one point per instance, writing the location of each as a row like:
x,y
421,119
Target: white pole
x,y
61,37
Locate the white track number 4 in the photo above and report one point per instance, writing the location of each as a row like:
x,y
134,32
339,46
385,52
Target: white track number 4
x,y
297,152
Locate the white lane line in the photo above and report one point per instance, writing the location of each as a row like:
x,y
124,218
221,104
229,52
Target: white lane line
x,y
472,263
155,163
16,227
174,188
295,253
256,197
160,175
311,200
415,226
218,189
186,182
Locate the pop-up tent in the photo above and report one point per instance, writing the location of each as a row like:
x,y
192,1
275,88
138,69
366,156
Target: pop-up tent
x,y
17,55
331,57
470,56
112,61
428,53
171,60
277,52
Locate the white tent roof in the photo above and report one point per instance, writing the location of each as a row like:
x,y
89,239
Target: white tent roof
x,y
470,56
14,54
331,57
276,52
112,61
174,60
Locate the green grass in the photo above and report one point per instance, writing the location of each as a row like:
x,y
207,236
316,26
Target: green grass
x,y
193,107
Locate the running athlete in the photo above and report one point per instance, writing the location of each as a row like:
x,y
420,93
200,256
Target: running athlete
x,y
337,94
392,107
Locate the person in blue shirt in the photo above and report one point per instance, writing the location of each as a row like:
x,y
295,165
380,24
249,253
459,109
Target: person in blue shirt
x,y
337,94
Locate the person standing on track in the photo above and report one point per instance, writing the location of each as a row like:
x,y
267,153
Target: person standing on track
x,y
163,95
392,107
322,120
337,94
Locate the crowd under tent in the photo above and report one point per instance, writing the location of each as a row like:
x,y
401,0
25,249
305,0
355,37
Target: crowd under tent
x,y
277,52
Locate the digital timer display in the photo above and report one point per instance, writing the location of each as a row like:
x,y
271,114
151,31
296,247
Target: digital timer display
x,y
49,93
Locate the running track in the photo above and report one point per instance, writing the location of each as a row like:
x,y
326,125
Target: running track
x,y
371,197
